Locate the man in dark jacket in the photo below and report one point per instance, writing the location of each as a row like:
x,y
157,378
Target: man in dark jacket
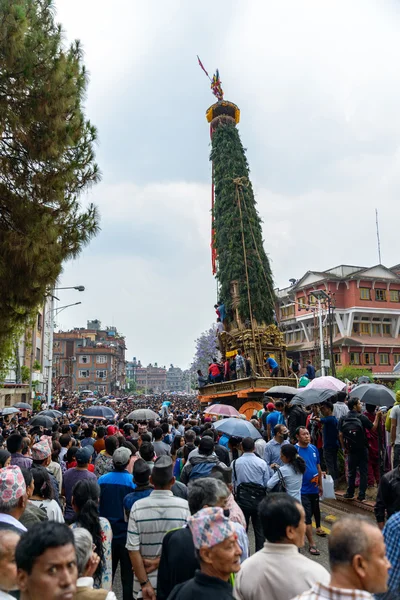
x,y
202,463
388,497
297,418
219,554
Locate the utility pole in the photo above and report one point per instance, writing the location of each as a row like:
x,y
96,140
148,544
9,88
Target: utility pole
x,y
321,338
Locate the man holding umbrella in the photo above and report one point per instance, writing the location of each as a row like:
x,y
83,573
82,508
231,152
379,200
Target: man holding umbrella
x,y
353,440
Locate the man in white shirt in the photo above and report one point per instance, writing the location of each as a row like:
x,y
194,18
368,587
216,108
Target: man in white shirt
x,y
279,571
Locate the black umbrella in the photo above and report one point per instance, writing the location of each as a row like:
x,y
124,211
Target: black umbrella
x,y
54,414
42,421
99,411
363,379
23,406
373,393
314,396
281,391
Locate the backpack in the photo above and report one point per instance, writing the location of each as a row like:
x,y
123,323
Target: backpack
x,y
353,432
201,470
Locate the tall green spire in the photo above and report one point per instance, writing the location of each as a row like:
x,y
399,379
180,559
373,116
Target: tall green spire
x,y
237,227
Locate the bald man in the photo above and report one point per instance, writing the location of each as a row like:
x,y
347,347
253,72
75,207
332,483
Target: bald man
x,y
357,557
8,569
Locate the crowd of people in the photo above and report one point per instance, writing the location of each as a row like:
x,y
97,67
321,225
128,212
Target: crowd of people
x,y
164,506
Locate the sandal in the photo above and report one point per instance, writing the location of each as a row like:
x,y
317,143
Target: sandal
x,y
314,551
321,533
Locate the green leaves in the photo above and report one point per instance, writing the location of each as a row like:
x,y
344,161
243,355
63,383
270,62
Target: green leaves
x,y
46,158
229,163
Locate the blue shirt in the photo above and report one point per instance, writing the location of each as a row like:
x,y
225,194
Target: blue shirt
x,y
293,481
272,453
391,537
249,468
330,432
130,499
310,477
224,441
273,419
310,372
114,487
272,363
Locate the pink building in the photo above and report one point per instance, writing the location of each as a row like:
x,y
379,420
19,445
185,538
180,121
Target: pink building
x,y
365,320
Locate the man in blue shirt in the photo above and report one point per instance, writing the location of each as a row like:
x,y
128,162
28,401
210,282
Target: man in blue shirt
x,y
310,371
272,452
249,468
312,486
272,365
114,487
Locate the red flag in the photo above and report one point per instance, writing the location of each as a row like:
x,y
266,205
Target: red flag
x,y
202,66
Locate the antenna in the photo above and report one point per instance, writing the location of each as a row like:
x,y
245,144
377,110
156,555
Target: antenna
x,y
377,236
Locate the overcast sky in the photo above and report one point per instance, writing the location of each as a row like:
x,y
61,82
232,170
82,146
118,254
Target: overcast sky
x,y
318,85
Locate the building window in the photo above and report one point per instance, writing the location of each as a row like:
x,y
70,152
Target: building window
x,y
356,328
365,294
380,295
385,329
38,354
101,374
354,358
384,358
312,300
84,360
83,374
365,329
376,329
7,400
101,360
394,295
337,357
369,358
297,336
287,311
302,302
396,358
39,322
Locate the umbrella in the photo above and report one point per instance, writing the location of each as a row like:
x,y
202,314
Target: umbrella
x,y
281,391
143,414
373,393
396,368
23,406
363,379
55,414
42,421
99,411
326,383
309,396
222,409
237,428
10,411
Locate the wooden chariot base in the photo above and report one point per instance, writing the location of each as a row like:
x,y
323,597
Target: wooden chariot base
x,y
246,395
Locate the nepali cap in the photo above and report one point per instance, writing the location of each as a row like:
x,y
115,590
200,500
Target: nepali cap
x,y
12,484
41,450
210,527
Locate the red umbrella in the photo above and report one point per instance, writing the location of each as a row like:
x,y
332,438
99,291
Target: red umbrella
x,y
222,410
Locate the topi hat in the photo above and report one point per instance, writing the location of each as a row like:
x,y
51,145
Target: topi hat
x,y
210,527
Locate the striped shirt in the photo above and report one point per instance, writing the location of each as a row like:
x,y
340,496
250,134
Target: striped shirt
x,y
327,592
340,409
150,519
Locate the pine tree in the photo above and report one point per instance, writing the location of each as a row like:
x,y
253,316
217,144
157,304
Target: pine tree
x,y
46,159
233,187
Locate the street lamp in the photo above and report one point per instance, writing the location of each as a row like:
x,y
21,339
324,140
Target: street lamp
x,y
80,288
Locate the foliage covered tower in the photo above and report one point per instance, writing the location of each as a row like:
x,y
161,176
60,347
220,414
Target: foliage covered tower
x,y
240,262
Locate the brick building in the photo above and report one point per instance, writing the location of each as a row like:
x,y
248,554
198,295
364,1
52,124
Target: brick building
x,y
89,359
151,379
365,319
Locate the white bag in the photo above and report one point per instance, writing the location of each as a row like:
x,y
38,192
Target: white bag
x,y
328,489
